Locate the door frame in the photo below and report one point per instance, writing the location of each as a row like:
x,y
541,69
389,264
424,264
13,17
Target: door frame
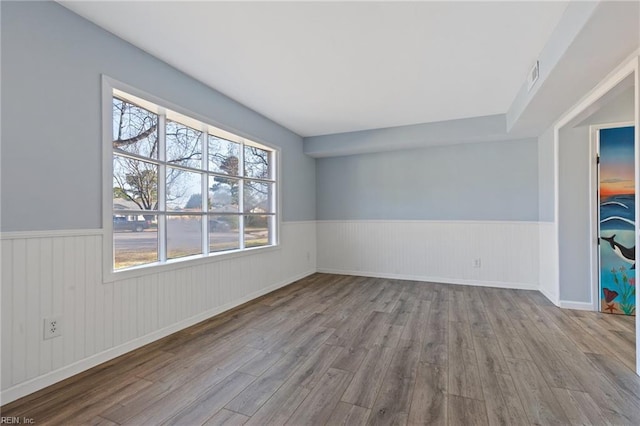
x,y
594,201
629,67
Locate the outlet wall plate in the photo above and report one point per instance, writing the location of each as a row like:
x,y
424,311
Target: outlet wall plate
x,y
52,327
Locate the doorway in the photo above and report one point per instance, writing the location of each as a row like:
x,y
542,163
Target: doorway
x,y
576,279
616,218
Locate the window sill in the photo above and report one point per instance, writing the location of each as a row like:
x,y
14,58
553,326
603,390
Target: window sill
x,y
184,262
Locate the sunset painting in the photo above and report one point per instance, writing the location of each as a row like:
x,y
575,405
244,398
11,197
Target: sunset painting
x,y
617,221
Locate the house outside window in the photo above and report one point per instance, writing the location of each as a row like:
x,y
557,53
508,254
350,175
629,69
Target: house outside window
x,y
184,189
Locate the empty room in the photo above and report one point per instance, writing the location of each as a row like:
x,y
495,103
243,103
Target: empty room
x,y
310,213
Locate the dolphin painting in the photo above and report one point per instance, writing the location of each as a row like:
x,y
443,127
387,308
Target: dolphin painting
x,y
625,253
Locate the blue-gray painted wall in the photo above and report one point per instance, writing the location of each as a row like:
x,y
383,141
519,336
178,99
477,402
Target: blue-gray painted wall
x,y
574,222
480,181
546,180
474,129
52,61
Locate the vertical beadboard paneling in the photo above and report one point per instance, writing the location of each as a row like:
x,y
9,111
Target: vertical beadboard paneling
x,y
18,346
32,323
432,251
108,313
68,313
173,299
128,319
99,315
139,305
149,302
60,274
7,317
119,313
57,299
80,286
90,298
46,300
549,285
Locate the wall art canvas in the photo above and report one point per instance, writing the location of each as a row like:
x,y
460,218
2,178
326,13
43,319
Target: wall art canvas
x,y
617,221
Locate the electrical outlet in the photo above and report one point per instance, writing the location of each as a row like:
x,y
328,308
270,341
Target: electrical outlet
x,y
477,263
52,327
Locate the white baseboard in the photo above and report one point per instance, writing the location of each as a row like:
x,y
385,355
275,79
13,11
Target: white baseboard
x,y
582,306
443,280
41,382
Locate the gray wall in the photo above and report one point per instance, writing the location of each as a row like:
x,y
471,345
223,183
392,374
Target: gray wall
x,y
481,181
573,207
546,182
619,109
52,61
466,130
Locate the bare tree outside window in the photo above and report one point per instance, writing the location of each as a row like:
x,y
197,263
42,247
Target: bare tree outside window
x,y
256,162
135,131
184,145
158,180
135,184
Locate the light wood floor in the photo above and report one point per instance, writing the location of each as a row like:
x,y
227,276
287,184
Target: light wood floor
x,y
333,349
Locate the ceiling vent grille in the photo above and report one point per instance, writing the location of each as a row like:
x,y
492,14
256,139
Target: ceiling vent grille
x,y
533,75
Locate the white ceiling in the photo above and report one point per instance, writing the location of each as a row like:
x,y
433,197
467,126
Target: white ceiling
x,y
329,67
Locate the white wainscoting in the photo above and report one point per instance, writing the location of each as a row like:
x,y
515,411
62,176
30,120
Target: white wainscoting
x,y
436,251
549,274
60,273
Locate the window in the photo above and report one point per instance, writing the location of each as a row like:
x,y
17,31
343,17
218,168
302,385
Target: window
x,y
183,188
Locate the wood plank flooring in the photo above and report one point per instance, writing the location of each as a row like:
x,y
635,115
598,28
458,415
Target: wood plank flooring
x,y
333,349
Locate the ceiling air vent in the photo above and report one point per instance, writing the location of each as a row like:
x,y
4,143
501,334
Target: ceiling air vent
x,y
533,75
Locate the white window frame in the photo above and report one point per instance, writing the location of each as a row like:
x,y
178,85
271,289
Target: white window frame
x,y
110,87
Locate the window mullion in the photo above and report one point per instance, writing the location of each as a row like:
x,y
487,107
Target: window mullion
x,y
144,162
204,180
241,196
162,190
273,207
